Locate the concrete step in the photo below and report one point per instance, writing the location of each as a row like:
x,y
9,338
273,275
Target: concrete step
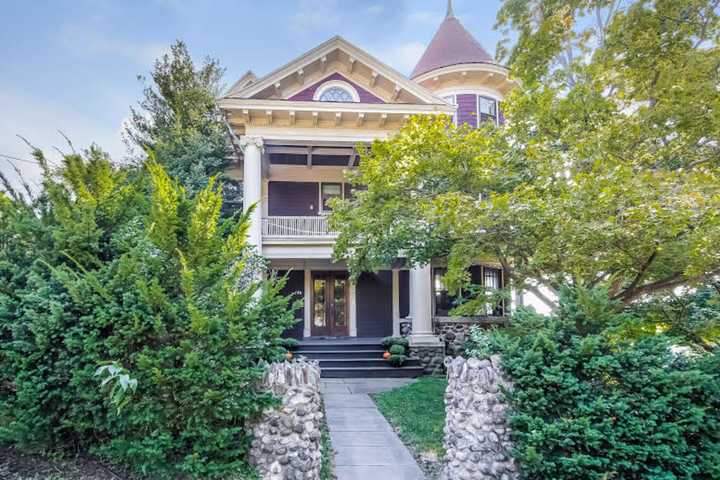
x,y
335,345
365,362
371,372
339,354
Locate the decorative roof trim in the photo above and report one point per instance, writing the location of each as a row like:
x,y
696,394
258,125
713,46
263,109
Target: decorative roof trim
x,y
325,48
271,104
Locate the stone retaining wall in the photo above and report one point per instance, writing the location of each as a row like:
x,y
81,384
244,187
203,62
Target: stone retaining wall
x,y
477,437
286,440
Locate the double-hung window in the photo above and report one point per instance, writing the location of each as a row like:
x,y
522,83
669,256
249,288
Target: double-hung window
x,y
329,191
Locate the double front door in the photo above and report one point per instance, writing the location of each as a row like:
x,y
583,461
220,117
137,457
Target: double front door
x,y
330,304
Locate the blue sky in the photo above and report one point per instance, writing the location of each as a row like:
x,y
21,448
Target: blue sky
x,y
72,65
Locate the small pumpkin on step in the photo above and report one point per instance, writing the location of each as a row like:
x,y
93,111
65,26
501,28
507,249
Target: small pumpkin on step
x,y
386,355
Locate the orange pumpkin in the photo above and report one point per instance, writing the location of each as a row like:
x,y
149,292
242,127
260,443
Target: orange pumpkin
x,y
386,355
289,356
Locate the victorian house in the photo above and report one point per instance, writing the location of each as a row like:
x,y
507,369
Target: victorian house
x,y
297,129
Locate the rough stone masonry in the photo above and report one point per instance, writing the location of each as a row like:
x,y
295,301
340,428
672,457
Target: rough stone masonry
x,y
477,437
286,440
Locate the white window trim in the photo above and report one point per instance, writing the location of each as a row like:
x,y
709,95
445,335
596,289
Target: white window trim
x,y
454,102
322,210
337,83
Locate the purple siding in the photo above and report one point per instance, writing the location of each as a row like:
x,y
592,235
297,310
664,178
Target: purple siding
x,y
309,92
501,118
467,109
293,198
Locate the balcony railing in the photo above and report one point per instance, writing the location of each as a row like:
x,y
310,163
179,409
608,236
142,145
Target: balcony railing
x,y
297,227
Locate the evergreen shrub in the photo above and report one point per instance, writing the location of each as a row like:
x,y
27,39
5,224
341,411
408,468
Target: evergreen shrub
x,y
591,403
119,272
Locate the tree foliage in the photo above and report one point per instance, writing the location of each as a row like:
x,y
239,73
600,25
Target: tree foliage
x,y
587,403
122,269
606,174
178,118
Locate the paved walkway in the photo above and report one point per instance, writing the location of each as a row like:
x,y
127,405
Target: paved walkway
x,y
366,447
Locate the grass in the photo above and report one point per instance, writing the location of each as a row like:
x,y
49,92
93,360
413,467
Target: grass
x,y
326,468
417,412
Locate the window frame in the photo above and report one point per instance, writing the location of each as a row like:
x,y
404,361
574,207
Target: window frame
x,y
320,91
326,211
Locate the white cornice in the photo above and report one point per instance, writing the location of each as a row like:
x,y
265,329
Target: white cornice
x,y
464,67
358,54
306,106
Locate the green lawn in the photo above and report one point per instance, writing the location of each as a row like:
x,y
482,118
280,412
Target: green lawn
x,y
418,414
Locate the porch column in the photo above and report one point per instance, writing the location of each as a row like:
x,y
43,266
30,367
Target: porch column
x,y
307,301
252,187
421,305
396,302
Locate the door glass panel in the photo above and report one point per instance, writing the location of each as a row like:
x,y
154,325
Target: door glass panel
x,y
319,302
340,310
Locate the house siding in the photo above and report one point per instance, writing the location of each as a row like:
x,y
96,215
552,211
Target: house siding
x,y
295,287
467,109
293,198
374,304
308,94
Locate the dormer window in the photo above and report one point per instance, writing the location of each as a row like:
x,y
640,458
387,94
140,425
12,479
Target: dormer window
x,y
336,91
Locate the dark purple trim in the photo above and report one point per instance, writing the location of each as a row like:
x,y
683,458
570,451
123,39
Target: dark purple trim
x,y
308,94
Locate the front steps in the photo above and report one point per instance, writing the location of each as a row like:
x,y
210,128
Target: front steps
x,y
354,358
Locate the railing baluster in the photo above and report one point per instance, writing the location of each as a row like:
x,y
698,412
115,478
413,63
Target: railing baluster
x,y
296,227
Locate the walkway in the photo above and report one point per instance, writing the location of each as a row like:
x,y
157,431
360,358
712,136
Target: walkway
x,y
365,445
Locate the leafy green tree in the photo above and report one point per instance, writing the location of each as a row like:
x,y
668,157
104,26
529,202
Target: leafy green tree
x,y
118,275
178,120
606,174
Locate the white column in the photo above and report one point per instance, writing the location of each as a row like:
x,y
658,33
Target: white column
x,y
396,302
252,187
352,306
307,300
421,304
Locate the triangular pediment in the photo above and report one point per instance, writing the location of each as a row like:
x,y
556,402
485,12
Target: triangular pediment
x,y
337,60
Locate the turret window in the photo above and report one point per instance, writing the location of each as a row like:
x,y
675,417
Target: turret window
x,y
487,108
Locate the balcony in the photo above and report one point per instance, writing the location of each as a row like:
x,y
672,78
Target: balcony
x,y
297,228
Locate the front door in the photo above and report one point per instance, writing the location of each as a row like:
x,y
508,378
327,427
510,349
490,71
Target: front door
x,y
330,304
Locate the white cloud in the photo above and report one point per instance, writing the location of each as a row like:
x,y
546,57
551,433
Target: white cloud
x,y
315,15
402,57
39,121
375,9
91,42
425,17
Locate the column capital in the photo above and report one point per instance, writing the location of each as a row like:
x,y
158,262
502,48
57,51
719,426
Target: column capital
x,y
248,140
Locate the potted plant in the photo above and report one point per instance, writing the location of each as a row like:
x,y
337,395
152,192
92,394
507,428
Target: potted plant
x,y
396,350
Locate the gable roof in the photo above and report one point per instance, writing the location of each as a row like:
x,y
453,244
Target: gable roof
x,y
316,54
451,45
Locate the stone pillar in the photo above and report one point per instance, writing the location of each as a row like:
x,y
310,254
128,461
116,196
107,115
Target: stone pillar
x,y
252,187
477,435
287,439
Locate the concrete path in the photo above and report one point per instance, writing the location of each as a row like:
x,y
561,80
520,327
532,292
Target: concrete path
x,y
366,447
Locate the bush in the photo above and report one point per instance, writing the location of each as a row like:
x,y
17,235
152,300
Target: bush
x,y
120,267
397,360
397,350
590,404
388,342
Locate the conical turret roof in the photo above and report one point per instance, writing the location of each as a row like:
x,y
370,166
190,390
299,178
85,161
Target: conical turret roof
x,y
451,45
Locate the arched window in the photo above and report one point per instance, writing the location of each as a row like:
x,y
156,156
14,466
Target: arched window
x,y
336,94
336,91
